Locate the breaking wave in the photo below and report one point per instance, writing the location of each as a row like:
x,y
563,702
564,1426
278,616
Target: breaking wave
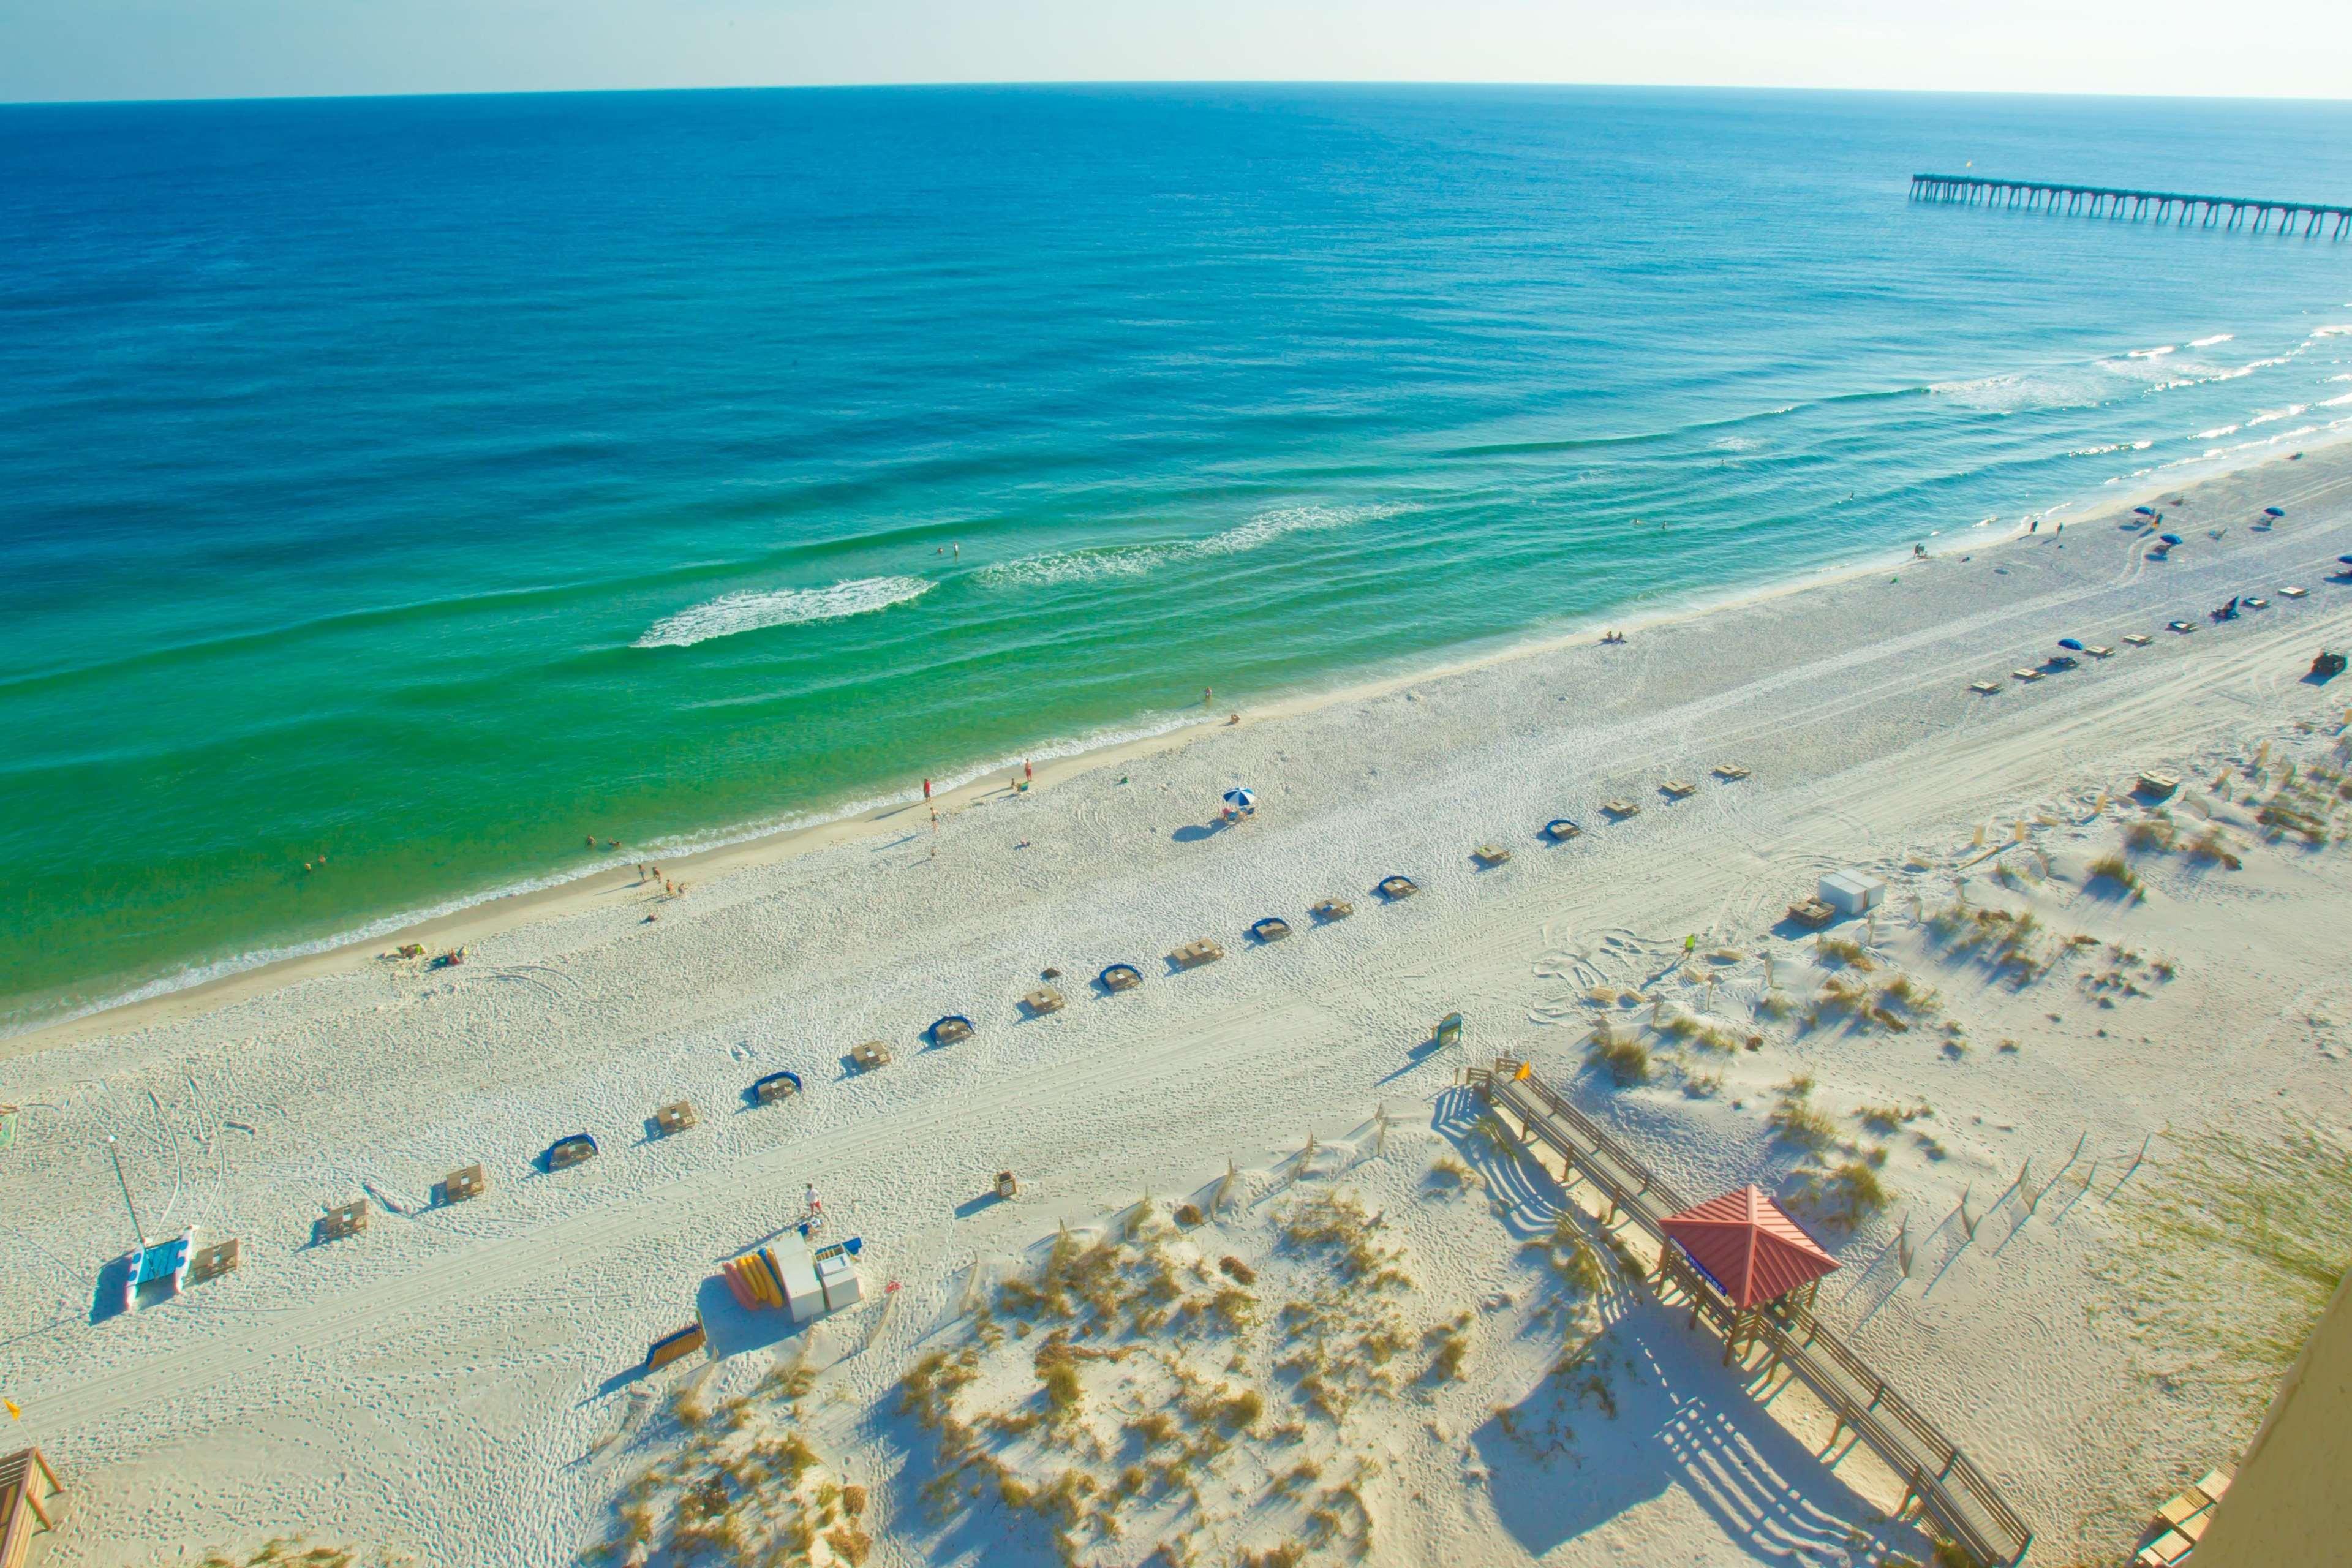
x,y
756,610
1135,560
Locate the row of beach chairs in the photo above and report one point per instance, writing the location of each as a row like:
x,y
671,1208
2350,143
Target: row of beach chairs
x,y
2180,1524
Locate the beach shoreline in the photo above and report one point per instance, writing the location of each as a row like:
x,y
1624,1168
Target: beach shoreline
x,y
467,1348
473,919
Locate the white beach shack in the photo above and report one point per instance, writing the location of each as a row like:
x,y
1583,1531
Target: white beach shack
x,y
762,1296
1852,892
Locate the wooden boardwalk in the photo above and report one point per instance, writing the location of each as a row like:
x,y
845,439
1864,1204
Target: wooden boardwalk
x,y
2102,201
1959,1498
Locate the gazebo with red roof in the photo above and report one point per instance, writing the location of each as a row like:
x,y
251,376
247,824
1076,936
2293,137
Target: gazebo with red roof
x,y
1750,1250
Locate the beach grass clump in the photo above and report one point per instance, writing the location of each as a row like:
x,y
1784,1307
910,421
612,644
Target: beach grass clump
x,y
1701,1085
1623,1056
1450,1343
1846,951
1847,1192
747,1489
2212,847
1345,1233
1448,1172
289,1551
1797,1120
2113,871
2013,943
2153,833
1891,1117
2287,813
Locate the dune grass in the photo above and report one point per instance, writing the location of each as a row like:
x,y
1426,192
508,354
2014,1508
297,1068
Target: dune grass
x,y
1625,1057
2228,1252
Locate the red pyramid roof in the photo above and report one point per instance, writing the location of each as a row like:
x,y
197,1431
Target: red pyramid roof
x,y
1749,1245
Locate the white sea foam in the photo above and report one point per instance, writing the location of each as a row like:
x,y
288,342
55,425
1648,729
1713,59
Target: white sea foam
x,y
2208,342
2271,416
2216,433
2154,353
2336,402
1135,560
754,611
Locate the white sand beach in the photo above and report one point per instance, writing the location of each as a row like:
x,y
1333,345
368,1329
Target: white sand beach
x,y
462,1383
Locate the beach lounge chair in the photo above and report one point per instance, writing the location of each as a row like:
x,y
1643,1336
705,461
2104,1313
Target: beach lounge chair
x,y
776,1086
2164,1550
212,1262
1490,855
2156,786
1812,913
1729,773
2138,639
1679,789
1192,954
2098,650
2184,627
1121,977
675,1117
1984,687
1271,929
1559,830
869,1055
566,1152
1448,1031
1395,888
2326,666
1043,999
347,1219
2291,591
1008,1185
2258,603
1329,910
2060,661
1620,808
468,1182
947,1031
2025,675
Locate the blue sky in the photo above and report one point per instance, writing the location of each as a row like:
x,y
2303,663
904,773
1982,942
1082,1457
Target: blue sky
x,y
52,49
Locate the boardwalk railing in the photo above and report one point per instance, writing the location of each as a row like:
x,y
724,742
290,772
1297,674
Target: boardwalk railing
x,y
2102,201
1956,1494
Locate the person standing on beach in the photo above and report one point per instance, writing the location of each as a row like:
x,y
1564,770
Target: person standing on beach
x,y
1207,697
1027,773
927,793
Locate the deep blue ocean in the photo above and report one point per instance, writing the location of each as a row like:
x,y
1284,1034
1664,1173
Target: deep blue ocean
x,y
424,484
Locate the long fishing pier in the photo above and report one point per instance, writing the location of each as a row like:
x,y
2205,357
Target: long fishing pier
x,y
2176,207
1954,1492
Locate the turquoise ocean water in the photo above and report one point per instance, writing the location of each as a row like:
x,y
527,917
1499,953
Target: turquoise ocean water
x,y
430,482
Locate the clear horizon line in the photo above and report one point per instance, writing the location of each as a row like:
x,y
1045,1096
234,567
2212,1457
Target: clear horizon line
x,y
1043,83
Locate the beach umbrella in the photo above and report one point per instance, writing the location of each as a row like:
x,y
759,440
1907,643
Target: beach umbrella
x,y
1240,799
2170,537
2074,643
2273,511
2346,559
2144,510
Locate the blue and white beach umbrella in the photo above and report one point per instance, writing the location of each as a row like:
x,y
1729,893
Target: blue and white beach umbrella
x,y
2145,510
1240,799
2170,537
